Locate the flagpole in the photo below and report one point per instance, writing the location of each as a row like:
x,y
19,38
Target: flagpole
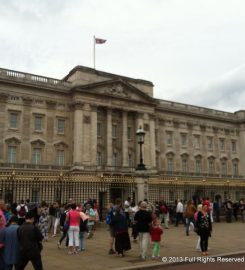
x,y
94,52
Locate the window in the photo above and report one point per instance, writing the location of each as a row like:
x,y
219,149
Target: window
x,y
183,138
130,160
169,137
129,133
61,126
184,165
13,120
223,167
211,166
99,159
233,146
114,159
210,143
222,144
170,165
98,129
38,123
196,141
198,166
235,168
36,156
11,154
60,157
114,131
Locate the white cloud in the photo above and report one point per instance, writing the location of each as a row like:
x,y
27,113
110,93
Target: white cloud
x,y
175,44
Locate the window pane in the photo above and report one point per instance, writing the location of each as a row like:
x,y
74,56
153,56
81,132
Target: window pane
x,y
61,126
38,123
183,139
114,131
36,156
114,159
12,154
169,136
99,159
60,159
13,120
98,129
129,133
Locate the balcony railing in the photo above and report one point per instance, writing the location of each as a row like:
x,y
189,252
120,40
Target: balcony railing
x,y
32,78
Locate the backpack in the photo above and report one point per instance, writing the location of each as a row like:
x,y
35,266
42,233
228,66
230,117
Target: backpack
x,y
22,211
83,225
108,217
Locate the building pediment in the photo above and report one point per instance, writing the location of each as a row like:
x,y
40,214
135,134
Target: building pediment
x,y
115,89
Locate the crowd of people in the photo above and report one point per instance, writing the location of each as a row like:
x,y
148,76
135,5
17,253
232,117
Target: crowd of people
x,y
25,226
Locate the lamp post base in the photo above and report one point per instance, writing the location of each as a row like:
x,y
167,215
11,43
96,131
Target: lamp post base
x,y
141,167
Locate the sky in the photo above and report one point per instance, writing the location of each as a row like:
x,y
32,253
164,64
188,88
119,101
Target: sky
x,y
192,50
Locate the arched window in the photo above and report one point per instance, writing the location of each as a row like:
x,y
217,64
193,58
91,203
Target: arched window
x,y
170,163
60,153
37,151
211,165
235,171
184,163
198,164
223,163
12,145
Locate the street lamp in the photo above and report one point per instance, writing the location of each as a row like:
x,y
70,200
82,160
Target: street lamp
x,y
60,186
228,184
204,188
140,133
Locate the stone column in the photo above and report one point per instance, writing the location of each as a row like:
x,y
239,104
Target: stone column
x,y
142,186
109,137
50,154
3,99
93,135
27,130
78,133
125,139
152,142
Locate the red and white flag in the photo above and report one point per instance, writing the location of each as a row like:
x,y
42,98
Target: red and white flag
x,y
99,40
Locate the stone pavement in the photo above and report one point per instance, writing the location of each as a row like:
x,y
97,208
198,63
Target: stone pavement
x,y
226,238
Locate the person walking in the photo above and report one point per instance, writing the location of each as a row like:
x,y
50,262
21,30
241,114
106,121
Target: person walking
x,y
11,245
179,212
120,226
30,239
242,209
189,215
143,221
73,219
156,231
204,227
21,212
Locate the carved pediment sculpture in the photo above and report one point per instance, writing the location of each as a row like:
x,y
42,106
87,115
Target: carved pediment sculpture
x,y
118,90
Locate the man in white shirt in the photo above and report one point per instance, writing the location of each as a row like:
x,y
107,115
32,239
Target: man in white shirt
x,y
179,212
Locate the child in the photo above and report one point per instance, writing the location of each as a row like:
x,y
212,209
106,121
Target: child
x,y
156,232
43,225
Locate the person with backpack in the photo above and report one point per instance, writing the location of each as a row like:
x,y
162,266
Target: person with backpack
x,y
22,210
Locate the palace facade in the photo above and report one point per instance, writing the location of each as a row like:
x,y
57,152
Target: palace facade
x,y
76,138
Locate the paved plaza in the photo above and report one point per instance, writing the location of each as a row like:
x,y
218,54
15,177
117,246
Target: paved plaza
x,y
226,238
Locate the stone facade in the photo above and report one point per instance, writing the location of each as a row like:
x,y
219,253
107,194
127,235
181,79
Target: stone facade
x,y
87,123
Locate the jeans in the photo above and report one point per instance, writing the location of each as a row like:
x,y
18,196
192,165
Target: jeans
x,y
144,239
73,234
82,240
189,220
10,266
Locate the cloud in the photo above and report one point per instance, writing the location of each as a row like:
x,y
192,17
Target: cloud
x,y
226,92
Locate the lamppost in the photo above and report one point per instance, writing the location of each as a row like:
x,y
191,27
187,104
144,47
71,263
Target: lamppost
x,y
11,195
140,133
204,187
60,186
228,185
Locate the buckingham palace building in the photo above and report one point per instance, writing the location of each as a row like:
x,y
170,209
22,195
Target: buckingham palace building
x,y
76,137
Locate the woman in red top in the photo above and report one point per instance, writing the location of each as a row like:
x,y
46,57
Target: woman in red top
x,y
73,219
156,232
